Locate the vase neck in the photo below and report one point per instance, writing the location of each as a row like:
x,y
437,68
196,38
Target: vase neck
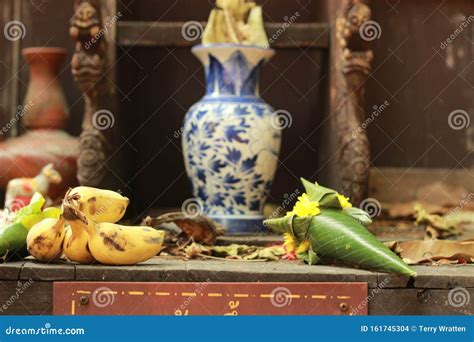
x,y
43,71
232,70
232,78
44,62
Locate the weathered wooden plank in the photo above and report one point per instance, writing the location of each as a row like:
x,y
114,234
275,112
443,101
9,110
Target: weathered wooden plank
x,y
11,270
156,269
175,269
429,293
444,277
153,34
418,302
47,272
26,298
431,277
234,271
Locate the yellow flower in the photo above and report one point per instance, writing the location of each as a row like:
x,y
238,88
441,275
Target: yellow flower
x,y
291,245
289,242
304,207
344,201
303,247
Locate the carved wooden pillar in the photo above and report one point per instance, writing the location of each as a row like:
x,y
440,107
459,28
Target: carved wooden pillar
x,y
93,70
350,65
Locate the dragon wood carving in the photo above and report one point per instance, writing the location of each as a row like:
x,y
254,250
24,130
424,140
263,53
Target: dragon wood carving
x,y
88,66
353,65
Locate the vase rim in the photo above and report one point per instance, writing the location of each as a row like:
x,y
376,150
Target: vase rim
x,y
41,50
223,51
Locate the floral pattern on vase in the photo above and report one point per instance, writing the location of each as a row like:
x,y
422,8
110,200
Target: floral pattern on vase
x,y
230,141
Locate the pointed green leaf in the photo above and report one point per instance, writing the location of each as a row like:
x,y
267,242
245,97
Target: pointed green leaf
x,y
326,197
360,215
294,225
280,225
337,236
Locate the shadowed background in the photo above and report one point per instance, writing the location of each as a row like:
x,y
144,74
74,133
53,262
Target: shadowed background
x,y
421,82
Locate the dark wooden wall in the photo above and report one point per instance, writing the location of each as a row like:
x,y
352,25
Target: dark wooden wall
x,y
8,66
423,84
157,86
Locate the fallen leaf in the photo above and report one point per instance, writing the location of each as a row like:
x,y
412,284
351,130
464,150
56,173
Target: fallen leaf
x,y
235,252
440,226
178,225
418,252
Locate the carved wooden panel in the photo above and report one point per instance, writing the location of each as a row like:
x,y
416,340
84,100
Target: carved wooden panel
x,y
93,66
351,60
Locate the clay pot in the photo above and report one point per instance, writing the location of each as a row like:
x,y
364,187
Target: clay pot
x,y
44,113
44,105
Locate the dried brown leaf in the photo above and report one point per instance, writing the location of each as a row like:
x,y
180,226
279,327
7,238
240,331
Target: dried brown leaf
x,y
418,252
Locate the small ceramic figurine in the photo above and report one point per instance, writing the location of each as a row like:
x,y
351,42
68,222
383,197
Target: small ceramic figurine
x,y
20,190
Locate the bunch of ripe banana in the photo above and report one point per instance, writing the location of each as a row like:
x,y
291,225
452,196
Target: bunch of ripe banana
x,y
87,231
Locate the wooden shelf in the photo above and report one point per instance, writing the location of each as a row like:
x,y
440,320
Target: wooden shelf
x,y
426,294
162,34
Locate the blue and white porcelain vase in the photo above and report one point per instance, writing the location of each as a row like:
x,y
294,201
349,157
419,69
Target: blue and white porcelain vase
x,y
230,139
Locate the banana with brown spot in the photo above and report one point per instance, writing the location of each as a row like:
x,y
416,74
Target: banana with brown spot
x,y
45,239
99,205
114,244
76,240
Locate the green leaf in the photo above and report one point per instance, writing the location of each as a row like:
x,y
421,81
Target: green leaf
x,y
52,212
33,208
273,253
31,214
309,257
337,236
29,221
280,225
13,241
300,227
360,215
294,225
326,197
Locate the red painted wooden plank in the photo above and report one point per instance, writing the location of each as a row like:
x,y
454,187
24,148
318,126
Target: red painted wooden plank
x,y
209,298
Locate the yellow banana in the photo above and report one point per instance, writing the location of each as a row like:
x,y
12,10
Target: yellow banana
x,y
76,243
45,239
114,244
99,205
